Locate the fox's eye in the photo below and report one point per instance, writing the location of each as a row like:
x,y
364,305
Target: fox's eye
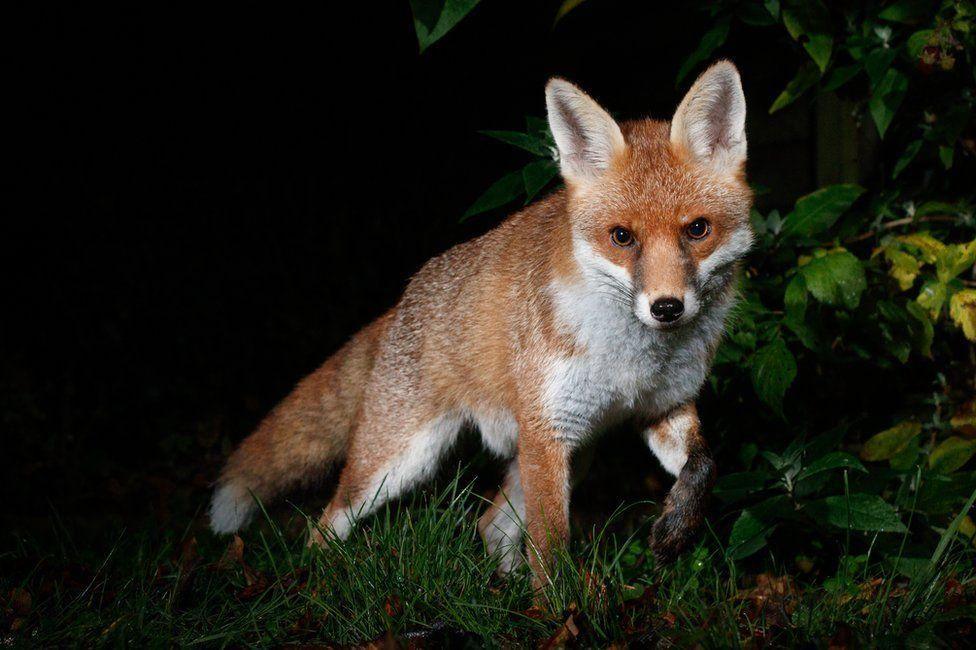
x,y
698,229
622,237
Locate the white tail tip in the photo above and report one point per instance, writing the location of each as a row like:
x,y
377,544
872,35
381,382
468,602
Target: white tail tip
x,y
231,509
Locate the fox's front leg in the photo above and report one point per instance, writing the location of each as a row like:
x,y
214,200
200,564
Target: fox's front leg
x,y
677,442
543,462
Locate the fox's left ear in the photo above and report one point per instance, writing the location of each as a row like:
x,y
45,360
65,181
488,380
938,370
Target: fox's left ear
x,y
710,123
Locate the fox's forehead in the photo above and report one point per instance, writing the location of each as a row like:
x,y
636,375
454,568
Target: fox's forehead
x,y
655,182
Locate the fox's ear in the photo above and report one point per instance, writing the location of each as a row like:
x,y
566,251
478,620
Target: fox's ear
x,y
587,137
710,123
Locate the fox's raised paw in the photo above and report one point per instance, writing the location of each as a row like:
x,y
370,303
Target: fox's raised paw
x,y
670,535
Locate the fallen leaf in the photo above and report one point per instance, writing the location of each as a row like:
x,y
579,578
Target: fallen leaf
x,y
233,555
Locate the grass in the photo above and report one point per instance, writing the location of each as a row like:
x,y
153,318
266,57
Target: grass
x,y
418,573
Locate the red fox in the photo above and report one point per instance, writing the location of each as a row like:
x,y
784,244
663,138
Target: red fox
x,y
604,301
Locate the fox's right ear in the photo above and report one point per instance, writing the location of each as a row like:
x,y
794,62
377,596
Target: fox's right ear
x,y
587,137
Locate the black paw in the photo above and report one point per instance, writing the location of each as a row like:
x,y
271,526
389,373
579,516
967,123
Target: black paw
x,y
671,534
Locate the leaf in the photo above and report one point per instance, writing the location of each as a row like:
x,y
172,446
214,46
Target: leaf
x,y
946,155
536,175
885,445
917,42
951,454
773,370
962,310
566,7
748,535
806,77
925,332
840,76
833,460
905,11
931,297
954,259
928,246
907,157
904,268
506,189
795,298
711,41
432,19
736,486
530,143
809,24
835,279
877,62
886,97
857,512
819,210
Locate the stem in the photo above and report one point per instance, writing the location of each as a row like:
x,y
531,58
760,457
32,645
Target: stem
x,y
940,218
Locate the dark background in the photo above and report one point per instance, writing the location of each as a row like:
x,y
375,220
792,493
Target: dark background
x,y
205,204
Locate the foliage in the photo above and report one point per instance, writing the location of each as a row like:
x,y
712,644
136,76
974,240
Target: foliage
x,y
862,288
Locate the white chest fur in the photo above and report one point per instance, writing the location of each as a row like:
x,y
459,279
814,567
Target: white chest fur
x,y
624,367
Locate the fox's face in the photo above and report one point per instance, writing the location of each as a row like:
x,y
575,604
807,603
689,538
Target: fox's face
x,y
660,211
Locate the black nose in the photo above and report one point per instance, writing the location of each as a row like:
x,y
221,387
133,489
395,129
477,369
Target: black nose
x,y
667,310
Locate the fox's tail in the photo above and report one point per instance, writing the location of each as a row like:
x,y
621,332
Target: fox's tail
x,y
297,442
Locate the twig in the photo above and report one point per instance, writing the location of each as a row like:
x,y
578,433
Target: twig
x,y
944,218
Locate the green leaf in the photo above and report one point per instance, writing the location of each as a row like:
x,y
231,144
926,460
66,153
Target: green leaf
x,y
748,535
711,41
951,454
924,333
946,155
954,259
877,62
536,175
886,97
773,370
833,460
906,11
885,445
918,41
931,297
754,14
835,279
736,486
506,189
530,143
804,79
819,210
840,76
434,18
857,512
907,157
795,298
808,23
566,7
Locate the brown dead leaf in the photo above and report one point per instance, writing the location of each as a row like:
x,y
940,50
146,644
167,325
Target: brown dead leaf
x,y
393,606
19,601
773,598
566,633
964,420
233,555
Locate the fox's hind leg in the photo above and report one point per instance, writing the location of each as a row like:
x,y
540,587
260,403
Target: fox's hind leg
x,y
503,524
387,457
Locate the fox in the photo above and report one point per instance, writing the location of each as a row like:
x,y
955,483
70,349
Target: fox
x,y
600,304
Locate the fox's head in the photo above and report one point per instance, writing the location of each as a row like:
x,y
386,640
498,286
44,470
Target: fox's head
x,y
659,211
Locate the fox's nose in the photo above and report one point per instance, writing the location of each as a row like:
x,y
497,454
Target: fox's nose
x,y
667,310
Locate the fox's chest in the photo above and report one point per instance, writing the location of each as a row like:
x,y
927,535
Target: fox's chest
x,y
590,391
